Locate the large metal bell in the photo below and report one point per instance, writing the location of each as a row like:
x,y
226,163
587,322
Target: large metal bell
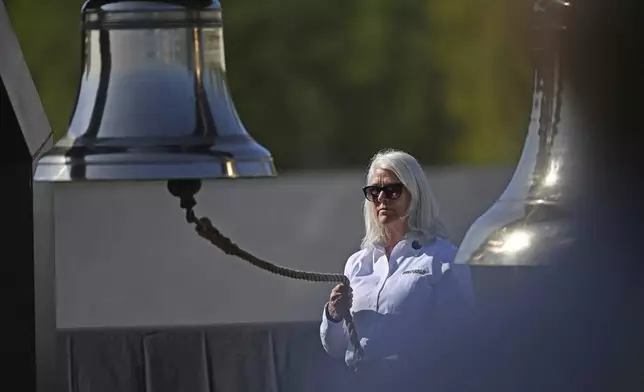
x,y
153,101
530,220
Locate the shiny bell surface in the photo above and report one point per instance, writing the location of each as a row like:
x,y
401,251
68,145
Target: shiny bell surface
x,y
153,101
531,217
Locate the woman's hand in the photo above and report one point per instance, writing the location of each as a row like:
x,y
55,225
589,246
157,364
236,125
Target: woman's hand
x,y
340,301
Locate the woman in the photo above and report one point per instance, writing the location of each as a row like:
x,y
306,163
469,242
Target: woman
x,y
406,298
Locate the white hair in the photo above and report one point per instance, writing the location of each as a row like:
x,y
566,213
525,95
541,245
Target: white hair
x,y
422,217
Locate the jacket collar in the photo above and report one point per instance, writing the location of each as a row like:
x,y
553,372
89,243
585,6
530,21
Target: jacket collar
x,y
411,244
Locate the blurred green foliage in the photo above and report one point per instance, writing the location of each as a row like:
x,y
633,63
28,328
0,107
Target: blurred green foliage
x,y
326,84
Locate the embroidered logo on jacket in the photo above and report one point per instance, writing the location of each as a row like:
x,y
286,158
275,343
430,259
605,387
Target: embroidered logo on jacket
x,y
416,271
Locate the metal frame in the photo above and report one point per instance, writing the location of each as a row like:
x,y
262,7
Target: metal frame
x,y
28,250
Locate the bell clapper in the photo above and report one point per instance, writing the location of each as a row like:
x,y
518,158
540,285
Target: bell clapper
x,y
185,190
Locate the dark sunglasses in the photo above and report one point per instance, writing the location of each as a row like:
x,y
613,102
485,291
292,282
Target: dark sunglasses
x,y
391,191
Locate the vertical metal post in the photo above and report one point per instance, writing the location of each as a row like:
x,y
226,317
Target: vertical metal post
x,y
17,297
27,293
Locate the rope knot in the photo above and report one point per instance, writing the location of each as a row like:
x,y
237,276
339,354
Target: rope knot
x,y
206,230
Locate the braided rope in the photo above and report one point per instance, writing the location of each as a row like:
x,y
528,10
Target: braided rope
x,y
205,227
